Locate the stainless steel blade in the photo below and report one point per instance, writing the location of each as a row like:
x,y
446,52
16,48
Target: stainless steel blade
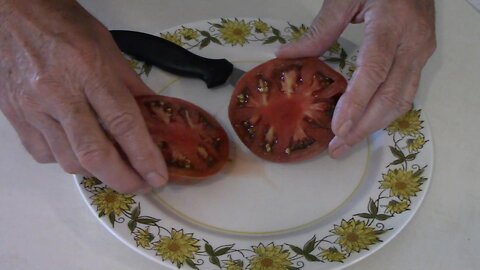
x,y
235,76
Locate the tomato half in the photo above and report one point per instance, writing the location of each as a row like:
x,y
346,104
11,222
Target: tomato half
x,y
194,145
282,109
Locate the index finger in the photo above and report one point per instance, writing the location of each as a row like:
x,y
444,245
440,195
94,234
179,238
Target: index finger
x,y
374,61
92,148
122,119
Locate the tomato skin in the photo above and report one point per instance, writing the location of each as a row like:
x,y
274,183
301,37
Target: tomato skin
x,y
282,109
193,144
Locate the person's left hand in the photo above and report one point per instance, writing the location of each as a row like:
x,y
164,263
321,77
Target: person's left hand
x,y
399,39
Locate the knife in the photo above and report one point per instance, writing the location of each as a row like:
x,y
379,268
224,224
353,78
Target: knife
x,y
175,59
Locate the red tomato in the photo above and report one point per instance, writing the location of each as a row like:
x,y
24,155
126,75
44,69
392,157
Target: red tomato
x,y
192,142
282,109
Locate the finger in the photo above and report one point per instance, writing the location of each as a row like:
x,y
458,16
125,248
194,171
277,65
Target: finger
x,y
59,144
326,28
392,100
93,150
374,62
121,117
31,138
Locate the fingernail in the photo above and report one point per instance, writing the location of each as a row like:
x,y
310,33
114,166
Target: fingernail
x,y
338,147
345,128
155,179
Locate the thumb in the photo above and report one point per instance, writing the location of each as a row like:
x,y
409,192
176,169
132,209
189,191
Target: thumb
x,y
326,28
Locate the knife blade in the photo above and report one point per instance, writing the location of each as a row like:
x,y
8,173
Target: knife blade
x,y
175,59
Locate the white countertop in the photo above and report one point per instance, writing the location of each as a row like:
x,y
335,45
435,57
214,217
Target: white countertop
x,y
45,224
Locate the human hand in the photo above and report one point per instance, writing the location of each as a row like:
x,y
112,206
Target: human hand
x,y
399,38
67,90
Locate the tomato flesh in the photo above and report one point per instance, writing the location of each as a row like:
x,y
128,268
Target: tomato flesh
x,y
194,145
282,109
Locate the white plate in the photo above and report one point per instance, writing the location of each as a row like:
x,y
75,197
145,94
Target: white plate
x,y
318,214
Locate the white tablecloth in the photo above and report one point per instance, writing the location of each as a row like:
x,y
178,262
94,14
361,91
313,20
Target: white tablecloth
x,y
45,224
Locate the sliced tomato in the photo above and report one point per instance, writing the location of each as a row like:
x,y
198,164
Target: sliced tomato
x,y
194,145
282,109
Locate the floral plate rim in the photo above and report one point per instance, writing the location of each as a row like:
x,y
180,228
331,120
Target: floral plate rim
x,y
402,188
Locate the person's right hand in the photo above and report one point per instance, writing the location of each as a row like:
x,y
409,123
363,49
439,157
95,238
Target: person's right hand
x,y
398,41
69,93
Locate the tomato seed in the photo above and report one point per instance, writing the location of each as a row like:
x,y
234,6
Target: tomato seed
x,y
268,148
269,135
262,86
289,79
202,152
242,98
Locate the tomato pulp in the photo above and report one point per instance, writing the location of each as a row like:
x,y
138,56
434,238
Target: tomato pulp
x,y
194,145
282,109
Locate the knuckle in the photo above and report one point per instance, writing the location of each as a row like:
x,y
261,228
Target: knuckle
x,y
396,102
314,30
375,70
27,102
70,108
91,155
121,124
355,104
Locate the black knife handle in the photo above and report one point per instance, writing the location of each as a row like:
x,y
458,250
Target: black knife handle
x,y
171,57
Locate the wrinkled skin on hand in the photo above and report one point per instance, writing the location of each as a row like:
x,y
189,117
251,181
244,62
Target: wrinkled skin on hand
x,y
69,93
399,39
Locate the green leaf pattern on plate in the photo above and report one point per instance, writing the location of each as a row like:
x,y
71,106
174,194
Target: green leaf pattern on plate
x,y
402,179
238,32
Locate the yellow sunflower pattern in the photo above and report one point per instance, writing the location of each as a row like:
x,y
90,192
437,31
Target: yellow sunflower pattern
x,y
90,182
109,202
298,32
415,144
172,37
234,265
261,26
270,257
408,124
143,237
355,235
399,184
177,247
188,33
398,207
332,254
235,32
